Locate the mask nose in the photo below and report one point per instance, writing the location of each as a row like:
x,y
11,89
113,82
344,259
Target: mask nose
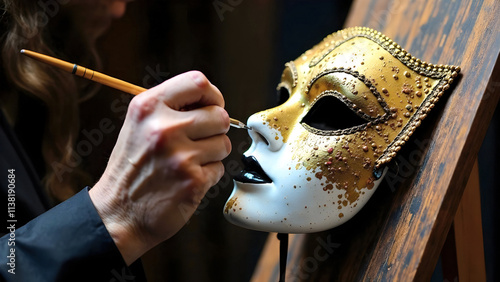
x,y
263,133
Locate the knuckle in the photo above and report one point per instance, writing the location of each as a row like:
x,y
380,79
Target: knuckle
x,y
171,130
217,172
197,181
155,128
224,116
188,121
196,184
156,136
141,106
219,97
182,164
227,144
162,135
220,172
199,79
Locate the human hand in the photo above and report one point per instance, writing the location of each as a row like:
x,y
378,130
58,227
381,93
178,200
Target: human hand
x,y
168,154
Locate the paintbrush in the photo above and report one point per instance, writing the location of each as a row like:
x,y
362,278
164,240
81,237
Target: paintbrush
x,y
101,78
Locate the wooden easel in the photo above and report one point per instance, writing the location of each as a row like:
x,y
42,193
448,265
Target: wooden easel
x,y
399,235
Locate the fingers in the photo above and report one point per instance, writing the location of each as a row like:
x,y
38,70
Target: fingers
x,y
207,121
187,91
214,172
184,116
197,100
212,149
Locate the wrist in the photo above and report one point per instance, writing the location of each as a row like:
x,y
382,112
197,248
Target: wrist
x,y
116,220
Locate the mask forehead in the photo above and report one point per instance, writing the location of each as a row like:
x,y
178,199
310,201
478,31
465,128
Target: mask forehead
x,y
382,82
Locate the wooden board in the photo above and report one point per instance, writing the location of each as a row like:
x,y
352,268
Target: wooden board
x,y
469,232
399,234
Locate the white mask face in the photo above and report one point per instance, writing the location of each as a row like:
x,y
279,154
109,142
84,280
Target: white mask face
x,y
353,101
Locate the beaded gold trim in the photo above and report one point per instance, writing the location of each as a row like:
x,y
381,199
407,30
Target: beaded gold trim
x,y
444,73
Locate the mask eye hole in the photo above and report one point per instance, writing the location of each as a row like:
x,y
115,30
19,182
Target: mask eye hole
x,y
283,95
330,114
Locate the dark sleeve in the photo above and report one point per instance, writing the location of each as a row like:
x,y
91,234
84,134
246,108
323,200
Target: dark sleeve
x,y
66,243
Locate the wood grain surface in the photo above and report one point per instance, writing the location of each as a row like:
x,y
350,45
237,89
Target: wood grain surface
x,y
399,234
469,232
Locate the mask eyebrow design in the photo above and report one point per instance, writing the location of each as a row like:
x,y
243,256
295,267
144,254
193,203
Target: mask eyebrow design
x,y
318,120
363,79
347,102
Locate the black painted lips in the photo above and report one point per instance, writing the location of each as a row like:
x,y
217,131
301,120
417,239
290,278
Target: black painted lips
x,y
252,172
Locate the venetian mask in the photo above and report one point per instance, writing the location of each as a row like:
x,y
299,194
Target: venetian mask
x,y
349,104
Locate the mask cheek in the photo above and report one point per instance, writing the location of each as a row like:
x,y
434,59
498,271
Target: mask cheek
x,y
273,207
299,200
282,120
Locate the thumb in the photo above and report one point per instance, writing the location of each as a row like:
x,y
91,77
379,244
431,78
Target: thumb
x,y
187,91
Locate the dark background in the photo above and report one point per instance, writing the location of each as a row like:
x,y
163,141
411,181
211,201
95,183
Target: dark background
x,y
241,46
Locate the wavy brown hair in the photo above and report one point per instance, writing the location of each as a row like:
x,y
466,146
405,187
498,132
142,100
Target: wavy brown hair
x,y
25,24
